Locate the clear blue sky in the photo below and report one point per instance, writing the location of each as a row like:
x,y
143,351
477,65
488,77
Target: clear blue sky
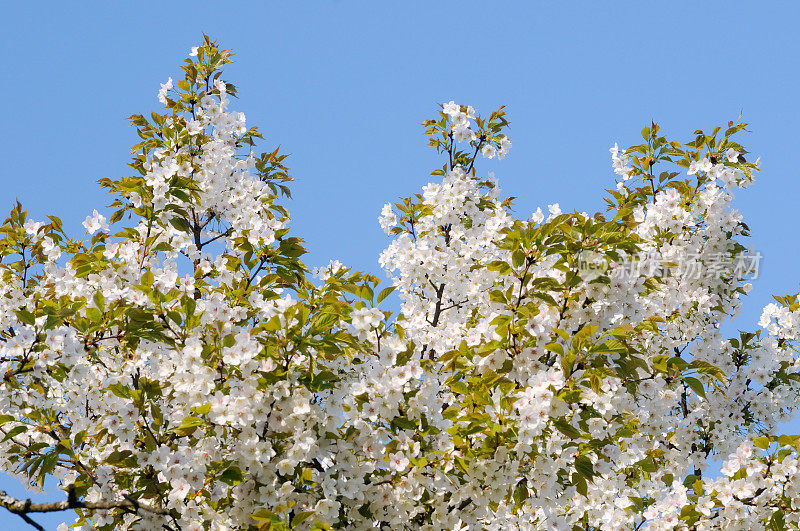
x,y
343,85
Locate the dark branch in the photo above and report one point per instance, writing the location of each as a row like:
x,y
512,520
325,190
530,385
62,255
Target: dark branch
x,y
25,507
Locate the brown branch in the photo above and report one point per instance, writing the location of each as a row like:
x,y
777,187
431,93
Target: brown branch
x,y
30,521
437,312
252,277
218,236
23,507
20,370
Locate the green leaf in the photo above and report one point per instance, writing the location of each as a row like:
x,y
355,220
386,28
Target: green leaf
x,y
696,385
580,484
584,466
566,428
777,522
202,410
123,459
385,293
120,390
26,317
94,315
459,387
567,362
555,347
188,426
520,494
265,515
762,442
517,258
232,476
189,305
14,432
707,368
404,423
99,300
585,333
302,517
790,440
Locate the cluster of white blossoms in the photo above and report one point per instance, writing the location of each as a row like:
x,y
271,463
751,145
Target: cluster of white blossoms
x,y
170,382
462,129
620,163
684,395
235,204
437,263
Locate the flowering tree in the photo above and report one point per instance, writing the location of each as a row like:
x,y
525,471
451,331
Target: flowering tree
x,y
179,367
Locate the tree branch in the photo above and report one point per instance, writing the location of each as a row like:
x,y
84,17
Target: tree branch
x,y
25,507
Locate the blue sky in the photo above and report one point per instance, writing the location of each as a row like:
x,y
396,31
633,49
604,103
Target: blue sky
x,y
343,85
